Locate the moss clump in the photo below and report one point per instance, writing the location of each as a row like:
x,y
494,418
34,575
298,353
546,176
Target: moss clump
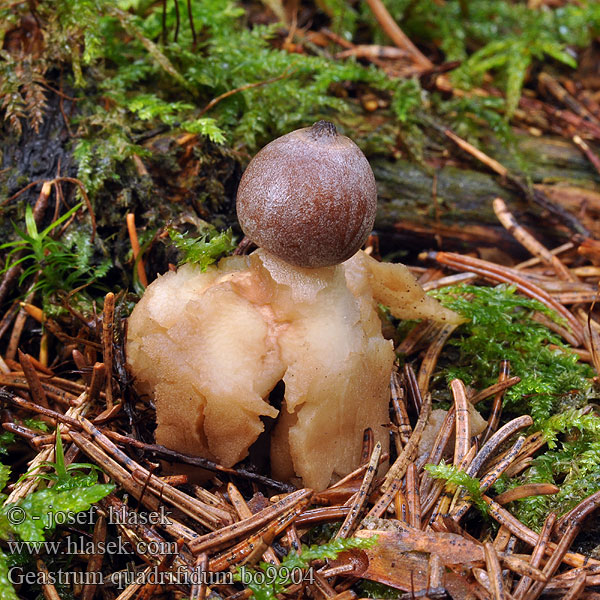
x,y
501,327
554,389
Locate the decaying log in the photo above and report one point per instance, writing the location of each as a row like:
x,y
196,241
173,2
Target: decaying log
x,y
451,207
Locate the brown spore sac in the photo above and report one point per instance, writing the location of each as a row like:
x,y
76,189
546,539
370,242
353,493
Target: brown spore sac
x,y
309,197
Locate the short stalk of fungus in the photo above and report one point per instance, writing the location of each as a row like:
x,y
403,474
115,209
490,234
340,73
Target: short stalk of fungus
x,y
211,346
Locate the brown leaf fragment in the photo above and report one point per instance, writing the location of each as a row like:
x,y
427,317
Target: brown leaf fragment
x,y
452,549
400,559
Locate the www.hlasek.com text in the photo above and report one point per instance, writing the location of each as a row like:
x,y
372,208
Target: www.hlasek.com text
x,y
83,545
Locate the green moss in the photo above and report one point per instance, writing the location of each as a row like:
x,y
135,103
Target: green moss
x,y
33,518
554,389
450,474
495,35
205,249
500,328
372,589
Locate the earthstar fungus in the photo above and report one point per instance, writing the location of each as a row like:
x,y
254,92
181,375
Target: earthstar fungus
x,y
211,346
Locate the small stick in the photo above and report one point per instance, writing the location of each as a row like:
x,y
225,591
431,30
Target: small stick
x,y
391,29
419,332
131,590
325,514
208,515
321,584
462,505
226,534
243,88
244,513
17,330
435,574
49,590
522,567
584,355
368,443
15,381
578,513
525,491
243,246
8,317
108,317
135,247
496,440
399,405
494,418
401,507
590,103
431,502
36,408
576,588
199,586
412,497
523,532
43,355
338,39
203,494
431,357
158,451
450,490
385,500
554,560
503,384
590,154
398,469
528,241
449,280
370,51
562,95
95,561
359,506
293,539
6,286
502,539
354,474
536,260
494,572
494,474
129,483
35,387
493,164
532,444
86,200
98,372
576,297
22,431
439,445
38,366
530,194
413,387
463,421
33,311
140,168
263,536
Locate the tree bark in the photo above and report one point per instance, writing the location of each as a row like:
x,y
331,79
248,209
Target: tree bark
x,y
451,208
